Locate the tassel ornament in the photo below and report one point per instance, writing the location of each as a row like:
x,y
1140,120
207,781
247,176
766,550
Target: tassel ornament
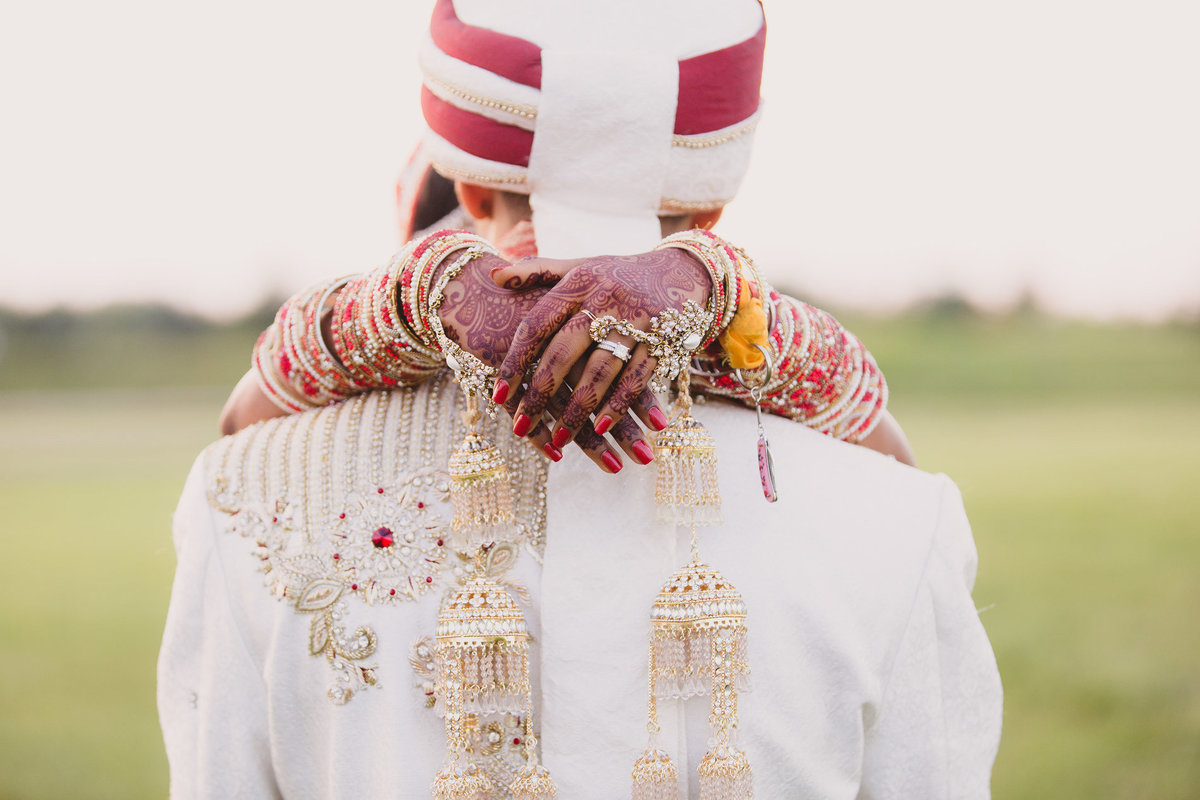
x,y
482,657
725,775
698,635
686,491
480,492
483,647
480,488
655,776
698,647
462,783
698,622
533,783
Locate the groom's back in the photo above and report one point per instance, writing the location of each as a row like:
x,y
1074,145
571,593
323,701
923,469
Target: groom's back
x,y
297,659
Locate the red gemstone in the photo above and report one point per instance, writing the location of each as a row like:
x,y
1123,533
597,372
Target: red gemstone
x,y
429,580
516,740
380,490
440,542
383,537
354,587
391,591
420,505
342,515
336,556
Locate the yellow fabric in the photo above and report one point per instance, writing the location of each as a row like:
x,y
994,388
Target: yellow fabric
x,y
749,328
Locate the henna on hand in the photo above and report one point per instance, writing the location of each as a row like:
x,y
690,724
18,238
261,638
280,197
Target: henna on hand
x,y
482,318
479,316
633,288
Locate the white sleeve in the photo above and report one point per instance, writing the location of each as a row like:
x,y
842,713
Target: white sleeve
x,y
937,729
211,697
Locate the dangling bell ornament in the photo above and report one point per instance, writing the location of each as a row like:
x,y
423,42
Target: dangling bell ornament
x,y
483,668
686,491
480,493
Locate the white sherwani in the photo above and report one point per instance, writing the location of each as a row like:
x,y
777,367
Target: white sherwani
x,y
872,675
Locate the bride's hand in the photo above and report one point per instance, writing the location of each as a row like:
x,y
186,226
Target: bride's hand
x,y
482,318
630,288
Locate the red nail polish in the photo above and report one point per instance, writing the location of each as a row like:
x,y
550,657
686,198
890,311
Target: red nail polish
x,y
500,392
552,451
521,425
611,462
603,424
642,452
561,437
657,418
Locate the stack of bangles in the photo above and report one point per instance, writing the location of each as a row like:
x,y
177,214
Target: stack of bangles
x,y
380,329
814,371
821,374
805,365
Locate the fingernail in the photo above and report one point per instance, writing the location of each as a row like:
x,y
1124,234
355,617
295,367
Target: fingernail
x,y
500,392
642,452
657,418
561,437
603,424
611,462
552,451
521,425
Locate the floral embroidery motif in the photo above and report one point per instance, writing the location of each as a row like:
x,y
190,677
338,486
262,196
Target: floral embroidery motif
x,y
386,546
348,504
389,544
327,637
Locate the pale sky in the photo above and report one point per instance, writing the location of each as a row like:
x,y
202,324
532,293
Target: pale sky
x,y
204,153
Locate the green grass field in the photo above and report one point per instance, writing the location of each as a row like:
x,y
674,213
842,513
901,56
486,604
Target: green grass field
x,y
1076,448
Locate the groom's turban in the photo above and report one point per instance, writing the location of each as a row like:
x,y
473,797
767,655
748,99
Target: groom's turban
x,y
606,113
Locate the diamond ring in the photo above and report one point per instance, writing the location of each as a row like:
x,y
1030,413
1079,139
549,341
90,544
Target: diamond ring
x,y
616,348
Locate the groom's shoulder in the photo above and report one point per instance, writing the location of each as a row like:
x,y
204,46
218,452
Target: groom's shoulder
x,y
859,518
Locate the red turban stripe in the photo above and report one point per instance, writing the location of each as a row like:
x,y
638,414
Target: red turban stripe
x,y
475,133
519,60
720,88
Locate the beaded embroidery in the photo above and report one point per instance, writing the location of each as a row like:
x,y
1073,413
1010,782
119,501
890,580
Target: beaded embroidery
x,y
347,505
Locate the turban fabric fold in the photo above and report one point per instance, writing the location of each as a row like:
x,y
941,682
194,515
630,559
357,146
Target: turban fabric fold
x,y
606,113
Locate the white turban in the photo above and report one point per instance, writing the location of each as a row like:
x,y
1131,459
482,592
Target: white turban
x,y
606,114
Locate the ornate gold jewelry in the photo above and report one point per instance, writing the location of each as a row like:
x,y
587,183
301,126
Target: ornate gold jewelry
x,y
482,639
480,491
698,623
686,491
483,668
674,336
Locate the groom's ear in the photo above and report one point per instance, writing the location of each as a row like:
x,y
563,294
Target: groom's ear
x,y
479,201
706,219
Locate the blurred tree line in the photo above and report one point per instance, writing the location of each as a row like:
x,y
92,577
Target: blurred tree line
x,y
137,345
942,348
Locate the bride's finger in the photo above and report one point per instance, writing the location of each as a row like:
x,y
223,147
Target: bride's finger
x,y
647,409
543,321
601,369
564,350
633,382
